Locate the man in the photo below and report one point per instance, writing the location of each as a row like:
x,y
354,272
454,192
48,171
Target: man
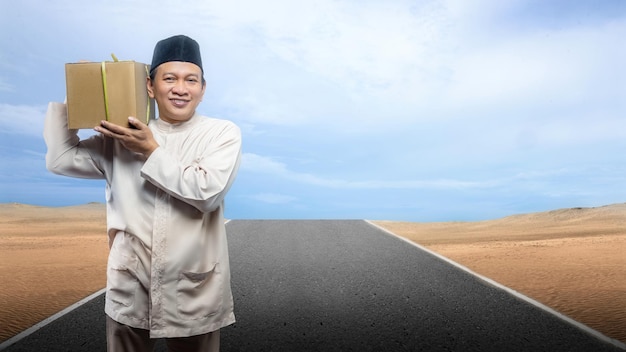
x,y
168,273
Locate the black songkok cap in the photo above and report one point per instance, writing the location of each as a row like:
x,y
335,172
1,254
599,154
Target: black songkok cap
x,y
176,48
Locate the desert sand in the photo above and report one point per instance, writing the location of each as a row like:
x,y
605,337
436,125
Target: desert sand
x,y
50,258
572,260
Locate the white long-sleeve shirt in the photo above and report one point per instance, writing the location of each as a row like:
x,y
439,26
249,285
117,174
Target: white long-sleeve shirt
x,y
168,269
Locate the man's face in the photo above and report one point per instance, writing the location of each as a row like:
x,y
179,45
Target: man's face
x,y
177,89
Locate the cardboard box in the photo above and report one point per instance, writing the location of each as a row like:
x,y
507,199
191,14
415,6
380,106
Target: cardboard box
x,y
126,93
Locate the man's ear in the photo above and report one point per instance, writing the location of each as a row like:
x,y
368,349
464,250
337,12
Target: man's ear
x,y
150,88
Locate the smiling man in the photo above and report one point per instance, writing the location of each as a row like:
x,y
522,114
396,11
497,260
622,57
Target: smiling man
x,y
168,272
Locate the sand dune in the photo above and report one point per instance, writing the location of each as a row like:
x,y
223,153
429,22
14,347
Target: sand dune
x,y
573,260
49,259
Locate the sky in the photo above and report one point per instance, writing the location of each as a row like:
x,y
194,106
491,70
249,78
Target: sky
x,y
422,111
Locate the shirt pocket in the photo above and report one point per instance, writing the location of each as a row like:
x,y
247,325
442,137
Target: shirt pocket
x,y
199,294
122,280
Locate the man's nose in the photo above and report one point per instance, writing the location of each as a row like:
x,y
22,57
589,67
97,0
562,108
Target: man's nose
x,y
180,87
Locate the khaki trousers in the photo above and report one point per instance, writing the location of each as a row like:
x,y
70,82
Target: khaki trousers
x,y
123,338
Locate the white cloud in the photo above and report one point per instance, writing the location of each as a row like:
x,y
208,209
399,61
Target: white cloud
x,y
544,181
398,64
28,120
265,165
562,66
365,47
22,119
328,61
256,163
250,129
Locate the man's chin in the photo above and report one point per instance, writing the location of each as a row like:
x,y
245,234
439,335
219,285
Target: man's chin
x,y
176,118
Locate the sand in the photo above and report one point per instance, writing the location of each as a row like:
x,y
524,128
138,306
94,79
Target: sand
x,y
50,258
573,260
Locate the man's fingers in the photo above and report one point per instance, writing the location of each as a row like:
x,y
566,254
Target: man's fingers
x,y
137,138
136,123
101,129
110,129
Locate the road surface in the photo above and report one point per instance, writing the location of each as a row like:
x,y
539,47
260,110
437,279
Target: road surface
x,y
346,285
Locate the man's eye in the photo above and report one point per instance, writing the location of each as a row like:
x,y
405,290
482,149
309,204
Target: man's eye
x,y
192,80
169,79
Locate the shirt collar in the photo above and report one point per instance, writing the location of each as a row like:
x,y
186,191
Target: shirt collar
x,y
177,127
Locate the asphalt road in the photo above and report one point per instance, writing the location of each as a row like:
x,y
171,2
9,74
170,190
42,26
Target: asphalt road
x,y
346,285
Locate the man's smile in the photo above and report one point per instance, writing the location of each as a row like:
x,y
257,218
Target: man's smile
x,y
179,102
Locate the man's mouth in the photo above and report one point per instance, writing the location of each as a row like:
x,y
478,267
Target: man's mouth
x,y
179,102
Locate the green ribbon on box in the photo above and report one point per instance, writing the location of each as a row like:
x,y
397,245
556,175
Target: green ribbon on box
x,y
106,95
104,88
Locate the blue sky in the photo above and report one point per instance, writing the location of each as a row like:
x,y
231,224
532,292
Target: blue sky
x,y
399,110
